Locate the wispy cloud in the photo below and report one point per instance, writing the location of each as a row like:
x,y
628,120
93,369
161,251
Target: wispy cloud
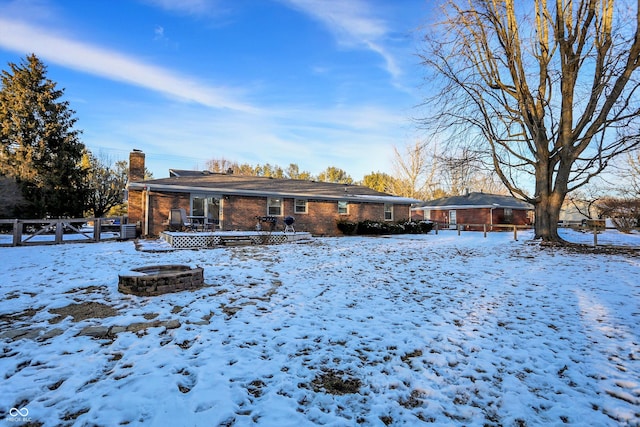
x,y
159,33
187,7
24,38
356,139
352,24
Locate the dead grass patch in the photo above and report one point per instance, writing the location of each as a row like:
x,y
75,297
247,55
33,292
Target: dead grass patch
x,y
336,382
82,311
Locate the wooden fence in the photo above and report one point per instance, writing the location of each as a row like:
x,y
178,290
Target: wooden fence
x,y
484,227
68,230
594,227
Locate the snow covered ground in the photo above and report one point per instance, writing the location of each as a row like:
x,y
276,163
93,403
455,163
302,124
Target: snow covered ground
x,y
401,330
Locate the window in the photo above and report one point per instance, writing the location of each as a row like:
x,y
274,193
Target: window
x,y
388,212
274,207
343,207
300,206
197,206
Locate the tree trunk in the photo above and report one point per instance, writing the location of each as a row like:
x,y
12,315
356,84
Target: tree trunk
x,y
547,212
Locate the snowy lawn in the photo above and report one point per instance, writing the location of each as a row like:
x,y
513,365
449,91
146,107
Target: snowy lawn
x,y
402,330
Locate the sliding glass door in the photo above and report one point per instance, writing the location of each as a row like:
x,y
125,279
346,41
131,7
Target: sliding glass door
x,y
206,209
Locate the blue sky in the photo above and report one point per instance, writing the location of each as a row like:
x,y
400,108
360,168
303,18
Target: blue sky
x,y
313,82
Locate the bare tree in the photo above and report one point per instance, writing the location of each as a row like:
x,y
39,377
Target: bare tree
x,y
220,165
633,163
487,182
547,89
585,201
414,171
460,171
293,172
106,182
624,213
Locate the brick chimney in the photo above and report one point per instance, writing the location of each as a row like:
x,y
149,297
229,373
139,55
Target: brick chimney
x,y
136,166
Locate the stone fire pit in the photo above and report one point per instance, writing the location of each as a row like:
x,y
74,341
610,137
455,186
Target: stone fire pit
x,y
160,279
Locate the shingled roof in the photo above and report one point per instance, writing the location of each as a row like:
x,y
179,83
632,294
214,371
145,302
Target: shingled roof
x,y
475,200
229,184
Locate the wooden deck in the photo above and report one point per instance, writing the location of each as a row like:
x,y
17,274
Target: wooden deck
x,y
206,239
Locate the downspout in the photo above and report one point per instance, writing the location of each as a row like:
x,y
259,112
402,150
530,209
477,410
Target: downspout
x,y
146,212
221,213
495,205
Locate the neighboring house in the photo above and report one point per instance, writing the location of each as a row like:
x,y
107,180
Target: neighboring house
x,y
477,209
570,214
234,202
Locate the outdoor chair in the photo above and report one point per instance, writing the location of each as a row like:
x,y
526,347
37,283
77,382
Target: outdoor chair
x,y
178,220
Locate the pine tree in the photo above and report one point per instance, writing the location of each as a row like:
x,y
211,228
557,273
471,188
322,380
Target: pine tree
x,y
39,147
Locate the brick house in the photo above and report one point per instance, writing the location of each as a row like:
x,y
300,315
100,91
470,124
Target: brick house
x,y
477,209
233,202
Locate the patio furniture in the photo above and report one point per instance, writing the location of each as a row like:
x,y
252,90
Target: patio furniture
x,y
211,224
198,222
269,221
178,220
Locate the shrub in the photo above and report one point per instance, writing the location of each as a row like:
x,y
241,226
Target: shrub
x,y
347,227
372,227
376,228
417,227
624,213
624,224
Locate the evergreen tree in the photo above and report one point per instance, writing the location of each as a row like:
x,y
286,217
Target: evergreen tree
x,y
379,181
336,175
38,146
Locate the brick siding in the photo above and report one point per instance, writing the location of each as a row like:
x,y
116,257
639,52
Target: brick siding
x,y
240,212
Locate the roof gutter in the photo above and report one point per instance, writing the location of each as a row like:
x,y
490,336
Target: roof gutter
x,y
424,208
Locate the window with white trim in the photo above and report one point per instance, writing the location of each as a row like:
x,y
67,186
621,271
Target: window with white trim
x,y
300,206
343,207
388,212
274,206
